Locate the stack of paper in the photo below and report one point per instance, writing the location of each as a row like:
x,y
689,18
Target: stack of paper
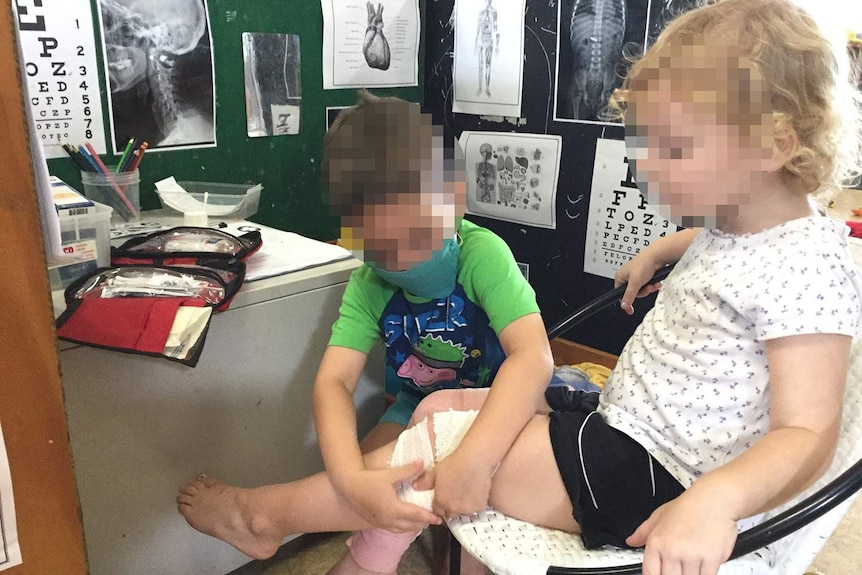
x,y
285,252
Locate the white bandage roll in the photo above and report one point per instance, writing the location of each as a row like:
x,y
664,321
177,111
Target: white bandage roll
x,y
415,443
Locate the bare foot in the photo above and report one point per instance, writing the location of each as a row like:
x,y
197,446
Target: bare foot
x,y
224,512
347,565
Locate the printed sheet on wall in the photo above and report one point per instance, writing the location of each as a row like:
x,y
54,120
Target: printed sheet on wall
x,y
370,44
10,551
488,70
512,177
620,221
58,51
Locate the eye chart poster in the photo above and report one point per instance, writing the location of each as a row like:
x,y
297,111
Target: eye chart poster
x,y
59,60
620,221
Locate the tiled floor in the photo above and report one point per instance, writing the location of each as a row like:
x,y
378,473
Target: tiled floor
x,y
315,554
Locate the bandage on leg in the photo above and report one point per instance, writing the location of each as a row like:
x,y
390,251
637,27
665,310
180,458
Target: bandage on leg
x,y
379,550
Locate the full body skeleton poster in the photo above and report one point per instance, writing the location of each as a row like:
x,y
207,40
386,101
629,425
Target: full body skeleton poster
x,y
489,57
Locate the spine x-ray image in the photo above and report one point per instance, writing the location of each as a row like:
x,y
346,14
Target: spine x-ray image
x,y
159,61
273,92
598,40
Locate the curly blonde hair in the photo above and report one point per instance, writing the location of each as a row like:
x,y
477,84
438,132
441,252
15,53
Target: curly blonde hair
x,y
801,73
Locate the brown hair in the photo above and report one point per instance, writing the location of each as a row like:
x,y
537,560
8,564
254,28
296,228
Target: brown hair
x,y
375,149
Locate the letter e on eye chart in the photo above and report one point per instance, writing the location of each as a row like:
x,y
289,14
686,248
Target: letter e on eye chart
x,y
370,44
489,57
620,221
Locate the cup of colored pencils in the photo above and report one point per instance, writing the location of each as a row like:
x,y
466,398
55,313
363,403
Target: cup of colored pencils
x,y
116,186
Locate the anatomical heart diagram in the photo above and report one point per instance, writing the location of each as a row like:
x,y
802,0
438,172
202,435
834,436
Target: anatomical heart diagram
x,y
376,47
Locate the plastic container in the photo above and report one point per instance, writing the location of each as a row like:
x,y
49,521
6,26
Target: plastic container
x,y
86,239
218,201
109,189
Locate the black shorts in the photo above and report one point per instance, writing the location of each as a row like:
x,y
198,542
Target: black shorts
x,y
613,483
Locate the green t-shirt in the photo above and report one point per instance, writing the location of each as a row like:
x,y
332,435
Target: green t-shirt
x,y
449,342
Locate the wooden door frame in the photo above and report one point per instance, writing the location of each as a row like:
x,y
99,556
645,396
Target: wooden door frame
x,y
32,412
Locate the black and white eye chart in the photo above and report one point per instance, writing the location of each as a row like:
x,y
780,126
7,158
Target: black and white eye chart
x,y
159,63
488,71
10,551
512,177
370,44
59,58
620,221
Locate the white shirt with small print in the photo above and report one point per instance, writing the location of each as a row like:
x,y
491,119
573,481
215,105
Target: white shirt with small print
x,y
692,383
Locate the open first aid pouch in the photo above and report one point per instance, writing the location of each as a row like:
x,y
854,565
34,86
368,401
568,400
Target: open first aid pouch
x,y
159,294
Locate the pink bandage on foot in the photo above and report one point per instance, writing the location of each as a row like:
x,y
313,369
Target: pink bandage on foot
x,y
379,550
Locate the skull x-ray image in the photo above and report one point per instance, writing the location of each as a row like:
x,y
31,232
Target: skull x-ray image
x,y
158,57
272,83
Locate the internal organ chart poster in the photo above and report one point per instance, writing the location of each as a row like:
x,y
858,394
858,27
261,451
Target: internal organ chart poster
x,y
159,63
489,57
59,58
512,177
370,44
620,222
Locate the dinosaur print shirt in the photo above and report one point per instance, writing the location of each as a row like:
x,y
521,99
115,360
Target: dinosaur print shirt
x,y
692,383
449,342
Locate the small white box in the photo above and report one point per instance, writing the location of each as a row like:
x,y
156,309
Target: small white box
x,y
86,241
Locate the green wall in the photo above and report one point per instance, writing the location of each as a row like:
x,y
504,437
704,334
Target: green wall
x,y
287,166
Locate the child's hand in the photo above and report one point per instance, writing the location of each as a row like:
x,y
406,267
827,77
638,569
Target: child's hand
x,y
690,535
636,273
461,486
372,495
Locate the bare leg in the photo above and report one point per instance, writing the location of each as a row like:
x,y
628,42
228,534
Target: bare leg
x,y
382,434
255,521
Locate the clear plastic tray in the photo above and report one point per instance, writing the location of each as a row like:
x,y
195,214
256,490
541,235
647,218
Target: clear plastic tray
x,y
224,201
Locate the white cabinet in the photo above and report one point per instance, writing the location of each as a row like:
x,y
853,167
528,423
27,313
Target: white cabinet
x,y
140,427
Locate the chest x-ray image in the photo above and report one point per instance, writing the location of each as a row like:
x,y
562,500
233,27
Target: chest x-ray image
x,y
272,84
597,39
158,57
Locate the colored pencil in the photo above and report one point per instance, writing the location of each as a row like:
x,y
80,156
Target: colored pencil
x,y
121,164
138,156
107,174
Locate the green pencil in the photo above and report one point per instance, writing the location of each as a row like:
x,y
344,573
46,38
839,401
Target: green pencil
x,y
122,162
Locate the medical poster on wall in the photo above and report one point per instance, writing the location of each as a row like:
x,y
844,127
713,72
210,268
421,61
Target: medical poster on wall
x,y
159,63
620,222
488,70
370,44
58,48
512,177
10,551
273,89
597,40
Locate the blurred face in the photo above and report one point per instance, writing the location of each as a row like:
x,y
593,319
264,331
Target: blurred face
x,y
402,230
687,154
